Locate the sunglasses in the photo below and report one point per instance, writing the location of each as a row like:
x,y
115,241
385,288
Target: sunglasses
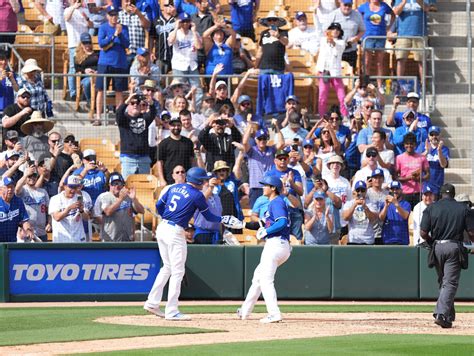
x,y
26,96
262,138
308,146
372,154
54,141
245,103
434,134
282,158
324,132
361,190
134,102
86,43
13,140
168,5
369,107
347,5
116,183
179,172
333,118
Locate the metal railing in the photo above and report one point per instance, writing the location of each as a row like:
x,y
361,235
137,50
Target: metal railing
x,y
424,72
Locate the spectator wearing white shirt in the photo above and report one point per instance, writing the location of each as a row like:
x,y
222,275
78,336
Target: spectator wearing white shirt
x,y
385,157
372,164
304,36
77,21
428,198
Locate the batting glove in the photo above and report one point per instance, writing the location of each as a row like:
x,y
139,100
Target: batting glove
x,y
261,233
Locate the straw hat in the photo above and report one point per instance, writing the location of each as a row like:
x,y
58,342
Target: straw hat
x,y
30,66
149,83
335,159
35,119
272,16
220,165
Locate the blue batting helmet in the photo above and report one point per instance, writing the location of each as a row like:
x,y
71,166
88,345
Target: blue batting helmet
x,y
196,175
273,181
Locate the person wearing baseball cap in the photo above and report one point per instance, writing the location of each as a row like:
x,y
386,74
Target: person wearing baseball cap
x,y
438,157
360,214
143,65
16,114
371,163
92,173
442,227
117,209
319,223
69,210
303,36
12,207
394,216
376,193
428,198
220,91
11,143
85,61
395,119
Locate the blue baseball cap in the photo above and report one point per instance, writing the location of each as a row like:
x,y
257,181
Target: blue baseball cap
x,y
428,189
73,181
261,133
111,9
319,195
6,181
184,17
243,98
299,15
308,142
395,185
86,38
116,177
142,51
360,184
11,154
165,113
273,181
377,172
292,97
346,2
434,129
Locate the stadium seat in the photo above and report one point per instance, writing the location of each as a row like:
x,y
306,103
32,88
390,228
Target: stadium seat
x,y
96,144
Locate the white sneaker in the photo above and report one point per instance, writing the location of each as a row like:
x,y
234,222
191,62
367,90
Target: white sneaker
x,y
156,311
271,319
240,315
179,317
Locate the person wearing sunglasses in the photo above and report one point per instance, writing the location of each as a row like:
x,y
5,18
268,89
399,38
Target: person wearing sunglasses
x,y
364,93
116,210
372,163
360,215
376,194
164,25
437,155
394,217
386,157
395,118
11,144
18,113
410,126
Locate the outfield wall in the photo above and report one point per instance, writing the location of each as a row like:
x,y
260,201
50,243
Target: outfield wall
x,y
124,272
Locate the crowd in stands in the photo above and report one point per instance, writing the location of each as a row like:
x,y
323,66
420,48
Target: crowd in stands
x,y
352,169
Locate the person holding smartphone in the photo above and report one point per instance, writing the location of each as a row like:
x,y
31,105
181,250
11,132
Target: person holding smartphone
x,y
272,45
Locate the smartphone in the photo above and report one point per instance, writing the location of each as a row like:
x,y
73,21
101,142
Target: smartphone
x,y
360,196
133,2
273,28
403,99
390,193
79,198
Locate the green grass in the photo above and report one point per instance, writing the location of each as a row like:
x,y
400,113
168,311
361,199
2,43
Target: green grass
x,y
34,325
20,326
371,344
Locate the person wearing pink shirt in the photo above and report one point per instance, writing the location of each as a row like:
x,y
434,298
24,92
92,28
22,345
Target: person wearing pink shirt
x,y
412,169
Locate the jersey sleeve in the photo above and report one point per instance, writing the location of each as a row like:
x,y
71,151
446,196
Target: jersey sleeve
x,y
200,202
54,205
23,213
297,176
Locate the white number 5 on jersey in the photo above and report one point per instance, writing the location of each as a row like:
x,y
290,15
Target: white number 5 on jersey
x,y
174,202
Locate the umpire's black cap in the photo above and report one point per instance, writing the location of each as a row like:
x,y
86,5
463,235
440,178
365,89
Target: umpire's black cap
x,y
448,189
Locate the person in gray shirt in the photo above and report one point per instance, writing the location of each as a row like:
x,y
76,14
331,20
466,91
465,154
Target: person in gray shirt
x,y
353,26
117,209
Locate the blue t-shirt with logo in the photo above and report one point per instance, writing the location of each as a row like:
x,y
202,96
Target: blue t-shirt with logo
x,y
395,228
342,134
375,23
93,183
277,209
241,14
412,21
424,121
296,177
11,215
436,171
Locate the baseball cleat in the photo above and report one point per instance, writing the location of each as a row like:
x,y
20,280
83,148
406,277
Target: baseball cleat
x,y
442,321
271,319
179,317
240,315
156,311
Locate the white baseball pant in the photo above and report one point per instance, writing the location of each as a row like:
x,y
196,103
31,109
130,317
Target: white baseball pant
x,y
275,252
173,252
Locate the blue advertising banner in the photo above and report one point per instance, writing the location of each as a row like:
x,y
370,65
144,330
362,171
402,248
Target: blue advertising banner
x,y
79,271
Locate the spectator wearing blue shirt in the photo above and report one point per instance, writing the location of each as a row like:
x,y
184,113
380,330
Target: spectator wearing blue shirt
x,y
242,14
410,125
8,84
319,223
294,190
12,213
92,175
113,41
186,7
394,217
374,13
364,139
411,21
437,155
395,119
218,41
343,133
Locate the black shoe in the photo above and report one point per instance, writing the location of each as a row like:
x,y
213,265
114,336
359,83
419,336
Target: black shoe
x,y
441,320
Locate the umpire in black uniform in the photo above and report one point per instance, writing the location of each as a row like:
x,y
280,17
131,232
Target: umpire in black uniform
x,y
442,227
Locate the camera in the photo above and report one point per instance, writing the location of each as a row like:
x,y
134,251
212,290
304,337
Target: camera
x,y
295,145
273,28
133,2
391,193
140,97
221,122
360,196
227,21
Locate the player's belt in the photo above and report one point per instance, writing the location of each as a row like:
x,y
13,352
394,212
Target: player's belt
x,y
446,241
169,222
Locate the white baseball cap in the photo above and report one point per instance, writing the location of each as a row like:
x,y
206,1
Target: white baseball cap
x,y
88,152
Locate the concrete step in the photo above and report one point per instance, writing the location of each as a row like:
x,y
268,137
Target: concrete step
x,y
456,65
443,29
451,41
450,6
455,132
464,142
458,175
450,53
459,163
445,88
449,17
460,152
451,76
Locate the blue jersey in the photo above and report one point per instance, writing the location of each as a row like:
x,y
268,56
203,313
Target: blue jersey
x,y
219,55
273,89
277,209
436,171
424,122
395,228
412,21
375,24
242,16
280,174
94,182
11,215
180,202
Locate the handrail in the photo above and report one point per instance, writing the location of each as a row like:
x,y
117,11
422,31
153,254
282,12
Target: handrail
x,y
469,49
423,50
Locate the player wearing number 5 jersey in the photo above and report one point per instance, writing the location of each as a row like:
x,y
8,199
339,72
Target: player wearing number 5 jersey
x,y
276,251
176,207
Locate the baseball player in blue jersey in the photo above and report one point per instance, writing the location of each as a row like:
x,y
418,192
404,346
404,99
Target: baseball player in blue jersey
x,y
176,208
276,233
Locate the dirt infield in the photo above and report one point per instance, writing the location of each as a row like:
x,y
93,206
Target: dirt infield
x,y
295,325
